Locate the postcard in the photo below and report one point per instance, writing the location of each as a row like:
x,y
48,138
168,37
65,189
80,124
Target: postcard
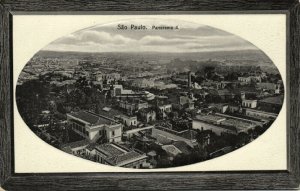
x,y
145,93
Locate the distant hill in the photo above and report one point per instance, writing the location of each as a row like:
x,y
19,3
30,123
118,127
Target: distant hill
x,y
256,55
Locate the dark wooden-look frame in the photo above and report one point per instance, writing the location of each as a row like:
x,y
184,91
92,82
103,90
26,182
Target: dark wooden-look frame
x,y
149,181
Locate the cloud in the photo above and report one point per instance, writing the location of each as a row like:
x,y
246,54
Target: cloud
x,y
158,40
188,39
93,37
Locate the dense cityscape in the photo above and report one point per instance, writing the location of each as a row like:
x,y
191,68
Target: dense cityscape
x,y
149,110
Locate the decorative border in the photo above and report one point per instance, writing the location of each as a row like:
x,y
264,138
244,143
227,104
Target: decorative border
x,y
254,180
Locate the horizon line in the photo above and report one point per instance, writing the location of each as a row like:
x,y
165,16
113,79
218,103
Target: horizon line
x,y
257,50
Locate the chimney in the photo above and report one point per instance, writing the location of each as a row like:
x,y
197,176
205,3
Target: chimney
x,y
189,79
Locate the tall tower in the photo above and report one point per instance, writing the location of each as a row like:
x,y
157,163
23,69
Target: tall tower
x,y
189,79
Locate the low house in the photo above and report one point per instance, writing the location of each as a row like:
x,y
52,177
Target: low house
x,y
117,155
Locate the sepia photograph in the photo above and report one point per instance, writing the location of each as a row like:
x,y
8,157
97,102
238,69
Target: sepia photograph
x,y
149,93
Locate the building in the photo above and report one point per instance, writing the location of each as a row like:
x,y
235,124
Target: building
x,y
112,77
249,79
260,114
224,94
225,84
186,102
221,123
133,104
117,155
213,125
244,80
165,108
136,131
269,86
94,127
249,103
143,83
233,108
271,104
97,76
117,90
147,115
128,120
219,107
176,148
255,79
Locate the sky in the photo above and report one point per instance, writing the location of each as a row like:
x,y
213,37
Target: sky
x,y
189,37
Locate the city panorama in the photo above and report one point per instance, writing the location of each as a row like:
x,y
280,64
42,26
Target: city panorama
x,y
149,98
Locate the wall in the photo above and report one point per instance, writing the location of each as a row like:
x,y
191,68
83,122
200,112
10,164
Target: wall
x,y
156,133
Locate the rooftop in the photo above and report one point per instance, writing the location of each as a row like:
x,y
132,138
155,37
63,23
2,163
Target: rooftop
x,y
133,100
278,100
239,124
183,147
110,150
190,134
110,113
116,154
91,118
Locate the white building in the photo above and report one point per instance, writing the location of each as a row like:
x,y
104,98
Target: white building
x,y
249,103
244,80
128,120
94,127
165,108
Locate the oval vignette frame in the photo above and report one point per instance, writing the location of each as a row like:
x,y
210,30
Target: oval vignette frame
x,y
199,180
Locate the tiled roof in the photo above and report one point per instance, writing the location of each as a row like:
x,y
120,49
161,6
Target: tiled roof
x,y
110,150
117,154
